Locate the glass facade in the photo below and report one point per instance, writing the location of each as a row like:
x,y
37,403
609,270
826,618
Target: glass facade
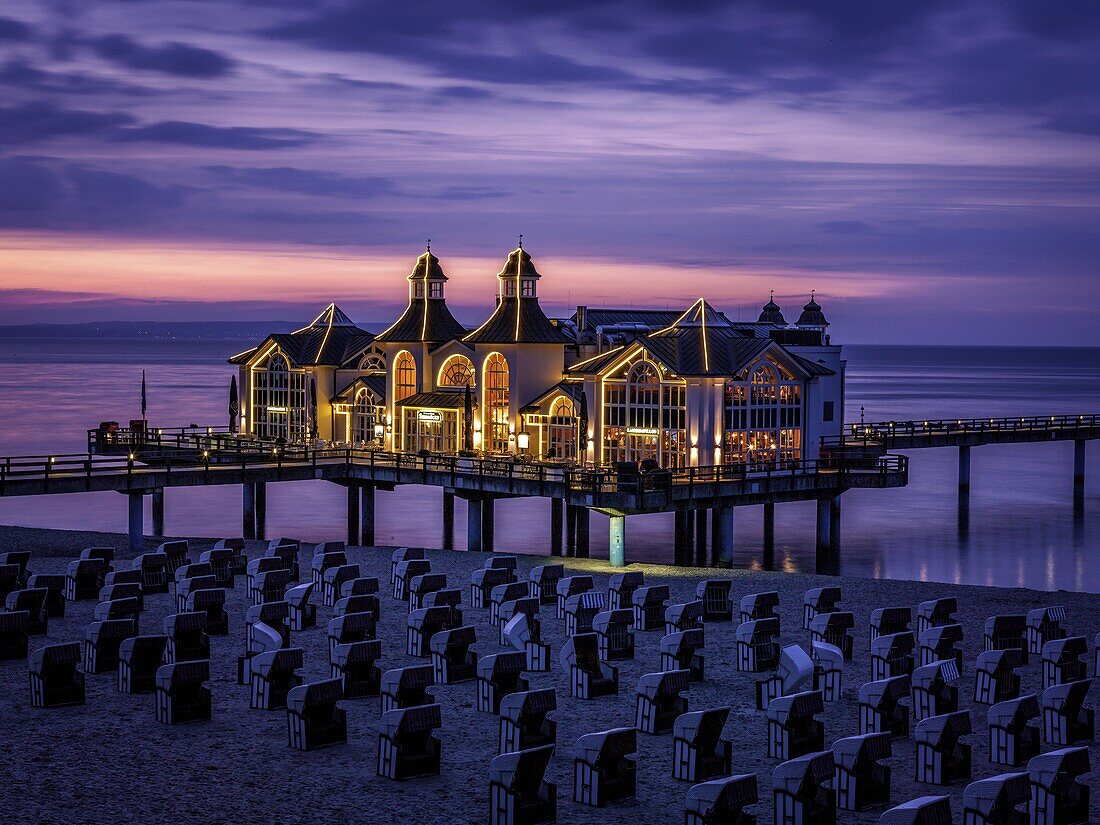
x,y
495,440
364,415
404,377
763,416
562,430
457,371
644,417
432,430
279,400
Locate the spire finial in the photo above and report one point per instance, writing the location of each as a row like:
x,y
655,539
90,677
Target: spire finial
x,y
771,295
429,244
813,292
521,241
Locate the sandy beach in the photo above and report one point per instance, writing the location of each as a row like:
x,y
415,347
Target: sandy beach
x,y
110,761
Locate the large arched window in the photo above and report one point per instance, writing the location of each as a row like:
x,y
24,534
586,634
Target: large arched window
x,y
373,361
278,400
496,403
644,416
457,371
364,415
404,376
562,429
763,416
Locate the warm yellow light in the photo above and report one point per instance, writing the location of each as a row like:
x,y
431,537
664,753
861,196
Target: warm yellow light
x,y
523,440
132,456
205,454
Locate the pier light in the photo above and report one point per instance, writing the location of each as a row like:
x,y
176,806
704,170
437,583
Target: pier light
x,y
523,440
209,430
274,450
379,431
131,457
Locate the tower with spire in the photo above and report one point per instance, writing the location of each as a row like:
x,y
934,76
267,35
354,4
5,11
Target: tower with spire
x,y
771,314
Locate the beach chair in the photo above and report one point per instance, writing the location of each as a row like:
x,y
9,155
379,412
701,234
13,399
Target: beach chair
x,y
362,586
518,792
1066,721
886,621
1004,632
829,669
936,613
187,637
715,596
523,632
580,610
649,607
282,554
406,687
819,601
684,616
122,577
937,644
123,590
453,660
139,657
698,751
355,664
351,627
500,561
274,674
935,689
1044,625
407,747
801,791
795,673
881,709
1063,660
570,586
603,770
301,612
508,610
994,800
32,601
256,567
793,729
1058,795
313,719
183,692
1013,740
14,638
236,546
270,586
19,559
104,554
83,579
403,554
621,587
542,582
54,585
684,651
499,674
405,572
190,569
941,757
186,586
102,640
589,678
324,559
722,801
360,603
333,579
54,678
832,629
510,592
613,629
9,579
125,608
266,628
757,645
525,722
995,678
659,700
155,571
222,567
892,655
482,582
759,606
924,810
424,623
860,779
175,554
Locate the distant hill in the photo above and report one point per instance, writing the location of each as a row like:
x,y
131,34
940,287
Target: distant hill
x,y
160,330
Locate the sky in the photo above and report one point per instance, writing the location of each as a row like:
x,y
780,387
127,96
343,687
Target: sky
x,y
931,169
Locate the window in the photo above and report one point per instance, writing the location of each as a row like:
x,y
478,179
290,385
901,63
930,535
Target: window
x,y
418,289
404,377
644,417
563,429
279,400
457,371
496,403
373,362
510,288
528,288
364,415
435,289
828,413
763,416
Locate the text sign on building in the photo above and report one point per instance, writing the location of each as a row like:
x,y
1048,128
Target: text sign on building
x,y
429,415
642,431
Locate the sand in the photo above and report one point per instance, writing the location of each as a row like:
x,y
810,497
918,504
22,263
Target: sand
x,y
110,761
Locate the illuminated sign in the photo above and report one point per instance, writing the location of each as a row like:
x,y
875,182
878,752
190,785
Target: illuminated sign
x,y
642,431
429,415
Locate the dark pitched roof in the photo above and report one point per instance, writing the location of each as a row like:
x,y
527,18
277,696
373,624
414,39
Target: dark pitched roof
x,y
375,383
516,319
812,316
439,399
652,318
330,340
425,320
573,389
771,314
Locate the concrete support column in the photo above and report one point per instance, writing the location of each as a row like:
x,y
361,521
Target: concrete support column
x,y
353,514
680,541
448,520
964,489
158,511
700,538
473,524
828,512
722,537
488,518
261,510
248,510
557,516
769,534
834,526
571,529
136,521
582,532
1079,476
617,553
366,513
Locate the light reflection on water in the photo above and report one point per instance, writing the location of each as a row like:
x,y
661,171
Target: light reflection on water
x,y
1021,527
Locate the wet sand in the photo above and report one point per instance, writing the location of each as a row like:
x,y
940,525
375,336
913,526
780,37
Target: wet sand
x,y
110,761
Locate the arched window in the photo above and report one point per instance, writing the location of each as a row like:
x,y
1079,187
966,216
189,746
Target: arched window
x,y
763,416
643,396
404,376
364,414
373,362
563,429
457,371
644,416
278,400
496,403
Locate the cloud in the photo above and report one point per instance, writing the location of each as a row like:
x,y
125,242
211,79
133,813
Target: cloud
x,y
15,30
21,74
31,122
305,181
1075,123
202,135
178,59
847,227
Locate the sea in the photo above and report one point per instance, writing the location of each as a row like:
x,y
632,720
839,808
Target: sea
x,y
1021,532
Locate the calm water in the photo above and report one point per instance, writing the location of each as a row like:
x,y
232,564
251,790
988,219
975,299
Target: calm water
x,y
1022,531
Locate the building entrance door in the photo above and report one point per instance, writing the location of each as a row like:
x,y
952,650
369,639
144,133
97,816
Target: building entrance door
x,y
640,447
